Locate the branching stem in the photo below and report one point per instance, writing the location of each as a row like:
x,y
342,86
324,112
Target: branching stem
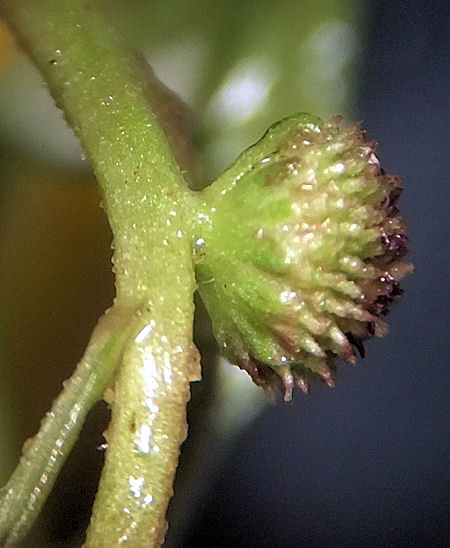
x,y
42,458
97,83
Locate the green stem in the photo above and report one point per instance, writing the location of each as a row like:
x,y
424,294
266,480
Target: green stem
x,y
97,83
43,456
148,205
146,431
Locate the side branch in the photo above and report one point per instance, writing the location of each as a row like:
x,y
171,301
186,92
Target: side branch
x,y
43,456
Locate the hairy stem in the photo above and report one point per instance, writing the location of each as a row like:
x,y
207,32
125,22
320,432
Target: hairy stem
x,y
97,83
147,429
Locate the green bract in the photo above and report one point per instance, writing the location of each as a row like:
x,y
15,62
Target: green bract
x,y
297,251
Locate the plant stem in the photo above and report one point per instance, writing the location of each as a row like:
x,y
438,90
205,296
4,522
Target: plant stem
x,y
146,431
43,456
96,82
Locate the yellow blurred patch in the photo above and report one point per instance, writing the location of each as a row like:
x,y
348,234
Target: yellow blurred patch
x,y
7,47
56,281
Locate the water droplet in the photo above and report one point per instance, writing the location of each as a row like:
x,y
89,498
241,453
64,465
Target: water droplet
x,y
136,485
144,334
144,439
148,499
203,218
286,296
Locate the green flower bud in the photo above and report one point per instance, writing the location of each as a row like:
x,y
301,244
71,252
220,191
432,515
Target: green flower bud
x,y
297,252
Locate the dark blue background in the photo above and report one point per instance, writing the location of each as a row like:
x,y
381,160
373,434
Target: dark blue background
x,y
366,464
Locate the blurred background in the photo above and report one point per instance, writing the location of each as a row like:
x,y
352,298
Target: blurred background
x,y
365,464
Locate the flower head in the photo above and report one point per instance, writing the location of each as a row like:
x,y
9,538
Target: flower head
x,y
299,252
